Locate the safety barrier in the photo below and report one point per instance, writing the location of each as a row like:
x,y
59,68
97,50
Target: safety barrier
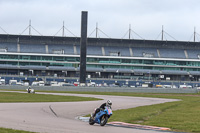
x,y
102,89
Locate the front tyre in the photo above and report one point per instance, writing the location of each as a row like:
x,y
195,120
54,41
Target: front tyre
x,y
91,121
104,120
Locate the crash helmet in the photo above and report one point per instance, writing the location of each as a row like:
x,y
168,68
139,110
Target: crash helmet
x,y
109,103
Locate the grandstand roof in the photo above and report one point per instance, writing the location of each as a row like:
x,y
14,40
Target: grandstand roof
x,y
99,41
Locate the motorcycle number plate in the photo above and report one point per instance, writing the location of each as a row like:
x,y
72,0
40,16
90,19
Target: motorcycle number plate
x,y
109,111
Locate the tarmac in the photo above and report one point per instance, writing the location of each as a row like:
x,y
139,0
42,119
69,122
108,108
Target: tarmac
x,y
61,117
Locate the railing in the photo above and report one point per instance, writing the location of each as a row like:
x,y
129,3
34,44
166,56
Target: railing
x,y
133,78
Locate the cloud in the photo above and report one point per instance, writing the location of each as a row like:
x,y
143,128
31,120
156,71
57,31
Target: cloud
x,y
114,16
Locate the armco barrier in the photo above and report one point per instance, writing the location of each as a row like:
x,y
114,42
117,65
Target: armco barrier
x,y
101,89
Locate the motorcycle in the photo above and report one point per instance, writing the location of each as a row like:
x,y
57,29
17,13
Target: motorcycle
x,y
101,117
30,90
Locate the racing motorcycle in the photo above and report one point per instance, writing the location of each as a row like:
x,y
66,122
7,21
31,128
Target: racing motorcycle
x,y
101,117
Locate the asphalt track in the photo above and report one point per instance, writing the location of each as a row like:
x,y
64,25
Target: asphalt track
x,y
60,117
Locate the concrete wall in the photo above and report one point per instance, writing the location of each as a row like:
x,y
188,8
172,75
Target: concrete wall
x,y
102,89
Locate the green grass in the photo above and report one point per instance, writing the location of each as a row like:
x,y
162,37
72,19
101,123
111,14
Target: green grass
x,y
182,116
179,116
7,97
5,130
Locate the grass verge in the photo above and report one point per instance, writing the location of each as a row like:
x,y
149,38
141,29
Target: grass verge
x,y
182,116
5,130
7,97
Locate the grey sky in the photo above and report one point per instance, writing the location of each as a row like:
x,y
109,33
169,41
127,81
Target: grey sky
x,y
146,17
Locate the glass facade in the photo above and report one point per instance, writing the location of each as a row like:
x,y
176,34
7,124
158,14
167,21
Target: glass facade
x,y
100,62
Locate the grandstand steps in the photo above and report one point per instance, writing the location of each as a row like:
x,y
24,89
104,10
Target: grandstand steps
x,y
131,51
18,47
158,51
75,50
186,54
47,49
103,51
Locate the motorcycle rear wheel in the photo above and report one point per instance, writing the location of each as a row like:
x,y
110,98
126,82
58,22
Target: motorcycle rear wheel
x,y
104,120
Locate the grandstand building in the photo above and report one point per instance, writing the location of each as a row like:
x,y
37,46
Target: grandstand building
x,y
106,58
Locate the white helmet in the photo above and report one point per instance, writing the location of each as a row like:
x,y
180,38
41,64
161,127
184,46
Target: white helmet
x,y
109,103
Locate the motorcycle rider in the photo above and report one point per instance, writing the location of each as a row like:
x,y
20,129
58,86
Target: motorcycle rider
x,y
29,89
108,104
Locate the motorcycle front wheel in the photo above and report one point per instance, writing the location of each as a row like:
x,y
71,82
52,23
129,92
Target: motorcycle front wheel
x,y
91,121
104,120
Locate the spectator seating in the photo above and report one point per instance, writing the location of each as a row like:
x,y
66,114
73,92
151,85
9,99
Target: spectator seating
x,y
32,48
10,47
172,53
67,49
116,51
145,52
193,54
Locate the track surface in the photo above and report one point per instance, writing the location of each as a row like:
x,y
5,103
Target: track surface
x,y
59,117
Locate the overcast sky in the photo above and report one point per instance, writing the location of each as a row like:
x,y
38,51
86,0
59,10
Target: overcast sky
x,y
179,17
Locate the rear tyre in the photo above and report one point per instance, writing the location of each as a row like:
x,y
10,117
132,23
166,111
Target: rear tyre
x,y
91,121
104,120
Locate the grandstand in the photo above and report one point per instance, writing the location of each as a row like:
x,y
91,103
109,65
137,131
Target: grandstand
x,y
106,58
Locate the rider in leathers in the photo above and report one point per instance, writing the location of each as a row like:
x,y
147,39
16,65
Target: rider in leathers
x,y
108,103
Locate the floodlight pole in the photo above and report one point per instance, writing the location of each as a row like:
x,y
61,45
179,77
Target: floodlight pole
x,y
63,33
194,34
162,33
83,48
96,30
129,31
29,27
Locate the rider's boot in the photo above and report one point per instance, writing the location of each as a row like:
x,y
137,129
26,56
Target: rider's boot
x,y
93,115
